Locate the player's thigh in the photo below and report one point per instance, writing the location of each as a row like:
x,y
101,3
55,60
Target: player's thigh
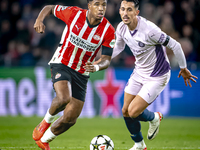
x,y
134,85
63,90
127,100
131,90
61,78
151,89
137,106
73,110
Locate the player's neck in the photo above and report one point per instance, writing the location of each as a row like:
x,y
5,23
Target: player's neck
x,y
133,25
92,21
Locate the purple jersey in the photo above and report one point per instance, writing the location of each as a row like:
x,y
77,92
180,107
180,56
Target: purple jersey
x,y
147,43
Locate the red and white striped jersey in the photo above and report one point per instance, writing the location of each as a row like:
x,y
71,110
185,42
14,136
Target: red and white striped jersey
x,y
80,43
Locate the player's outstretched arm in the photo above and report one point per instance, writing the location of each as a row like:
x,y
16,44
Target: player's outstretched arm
x,y
187,76
39,26
102,64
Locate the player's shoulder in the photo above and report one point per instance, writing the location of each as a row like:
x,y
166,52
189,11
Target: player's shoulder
x,y
111,28
72,8
147,24
75,8
121,26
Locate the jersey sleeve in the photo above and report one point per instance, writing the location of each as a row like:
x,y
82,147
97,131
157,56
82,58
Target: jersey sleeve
x,y
119,44
157,36
109,39
62,12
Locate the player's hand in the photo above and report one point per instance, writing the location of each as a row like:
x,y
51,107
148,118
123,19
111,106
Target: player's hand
x,y
89,67
39,27
187,76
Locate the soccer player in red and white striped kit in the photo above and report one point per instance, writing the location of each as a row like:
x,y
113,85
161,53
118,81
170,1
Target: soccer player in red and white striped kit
x,y
86,31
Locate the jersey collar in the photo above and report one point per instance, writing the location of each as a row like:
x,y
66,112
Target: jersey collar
x,y
136,29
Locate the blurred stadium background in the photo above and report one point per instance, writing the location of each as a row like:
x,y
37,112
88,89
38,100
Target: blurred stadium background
x,y
25,84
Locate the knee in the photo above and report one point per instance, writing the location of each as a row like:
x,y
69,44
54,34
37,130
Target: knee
x,y
63,99
132,112
125,112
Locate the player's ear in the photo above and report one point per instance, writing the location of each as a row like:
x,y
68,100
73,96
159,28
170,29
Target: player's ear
x,y
89,5
119,10
137,12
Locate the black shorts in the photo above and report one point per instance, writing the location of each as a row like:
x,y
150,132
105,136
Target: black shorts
x,y
78,81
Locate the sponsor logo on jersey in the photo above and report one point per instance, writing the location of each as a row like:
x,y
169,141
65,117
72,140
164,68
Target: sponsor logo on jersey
x,y
96,37
81,43
58,75
77,27
112,43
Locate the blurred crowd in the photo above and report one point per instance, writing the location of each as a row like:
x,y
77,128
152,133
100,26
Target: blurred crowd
x,y
20,45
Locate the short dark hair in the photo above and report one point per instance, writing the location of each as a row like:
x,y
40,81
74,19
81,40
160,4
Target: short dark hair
x,y
89,1
136,2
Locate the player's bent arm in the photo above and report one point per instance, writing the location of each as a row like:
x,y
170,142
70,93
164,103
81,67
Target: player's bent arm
x,y
104,62
119,45
156,36
47,10
178,52
96,62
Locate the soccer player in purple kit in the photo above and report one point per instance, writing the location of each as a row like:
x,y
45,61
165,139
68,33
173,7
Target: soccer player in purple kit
x,y
152,69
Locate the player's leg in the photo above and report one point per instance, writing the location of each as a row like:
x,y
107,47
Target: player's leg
x,y
137,109
132,88
132,124
70,115
63,96
73,107
152,87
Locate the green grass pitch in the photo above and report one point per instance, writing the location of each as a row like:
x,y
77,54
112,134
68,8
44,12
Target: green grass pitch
x,y
174,134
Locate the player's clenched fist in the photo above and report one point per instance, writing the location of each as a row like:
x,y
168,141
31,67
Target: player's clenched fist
x,y
39,27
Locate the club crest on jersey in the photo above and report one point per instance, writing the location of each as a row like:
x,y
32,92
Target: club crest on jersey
x,y
58,75
112,43
141,44
96,37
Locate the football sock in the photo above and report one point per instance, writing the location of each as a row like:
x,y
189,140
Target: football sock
x,y
140,144
48,117
134,128
146,115
48,136
156,117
